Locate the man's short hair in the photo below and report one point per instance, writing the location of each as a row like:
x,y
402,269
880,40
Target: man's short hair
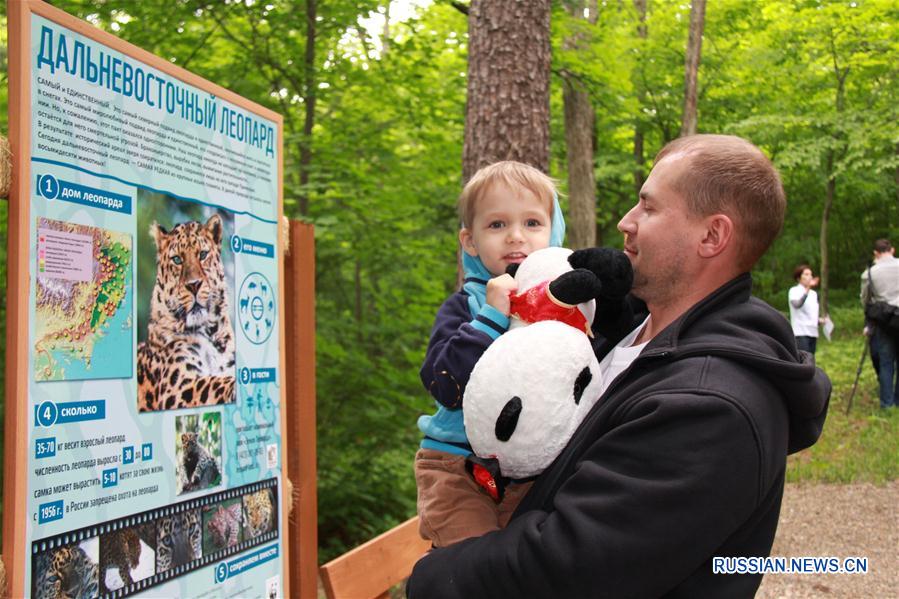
x,y
515,175
882,246
797,272
729,175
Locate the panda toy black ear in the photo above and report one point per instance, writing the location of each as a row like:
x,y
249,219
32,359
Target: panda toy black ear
x,y
580,383
512,269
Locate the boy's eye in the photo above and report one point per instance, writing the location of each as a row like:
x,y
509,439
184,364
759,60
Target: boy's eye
x,y
497,224
533,222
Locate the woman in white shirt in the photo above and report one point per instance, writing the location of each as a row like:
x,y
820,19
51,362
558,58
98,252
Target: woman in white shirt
x,y
804,308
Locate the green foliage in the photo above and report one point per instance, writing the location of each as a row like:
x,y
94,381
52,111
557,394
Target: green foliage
x,y
382,172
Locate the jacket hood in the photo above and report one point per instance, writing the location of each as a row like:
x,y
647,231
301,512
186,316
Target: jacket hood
x,y
767,346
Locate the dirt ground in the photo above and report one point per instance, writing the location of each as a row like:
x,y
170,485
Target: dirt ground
x,y
858,520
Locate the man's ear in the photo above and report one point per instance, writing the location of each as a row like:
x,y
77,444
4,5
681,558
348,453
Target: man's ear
x,y
466,240
718,235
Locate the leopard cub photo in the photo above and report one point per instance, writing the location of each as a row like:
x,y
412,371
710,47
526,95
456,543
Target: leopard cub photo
x,y
198,452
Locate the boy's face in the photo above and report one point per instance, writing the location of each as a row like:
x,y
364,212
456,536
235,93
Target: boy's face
x,y
507,226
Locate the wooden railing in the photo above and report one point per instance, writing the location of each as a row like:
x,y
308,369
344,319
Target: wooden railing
x,y
371,569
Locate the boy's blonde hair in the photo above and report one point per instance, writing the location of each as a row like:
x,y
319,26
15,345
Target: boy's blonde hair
x,y
515,175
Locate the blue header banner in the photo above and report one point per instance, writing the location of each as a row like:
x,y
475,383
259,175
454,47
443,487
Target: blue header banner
x,y
52,188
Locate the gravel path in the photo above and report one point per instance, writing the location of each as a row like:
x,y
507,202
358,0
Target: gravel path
x,y
840,521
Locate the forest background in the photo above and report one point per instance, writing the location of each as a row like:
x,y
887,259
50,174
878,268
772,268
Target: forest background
x,y
374,103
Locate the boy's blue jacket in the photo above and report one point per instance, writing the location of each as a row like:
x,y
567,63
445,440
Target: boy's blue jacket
x,y
457,343
463,329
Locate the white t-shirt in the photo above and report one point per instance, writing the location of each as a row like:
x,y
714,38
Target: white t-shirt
x,y
617,360
804,319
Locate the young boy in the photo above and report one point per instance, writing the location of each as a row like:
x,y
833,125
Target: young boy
x,y
508,210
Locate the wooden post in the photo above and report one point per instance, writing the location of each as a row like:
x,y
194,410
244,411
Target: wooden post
x,y
299,345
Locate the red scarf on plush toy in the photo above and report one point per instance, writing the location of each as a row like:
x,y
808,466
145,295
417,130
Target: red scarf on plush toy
x,y
538,304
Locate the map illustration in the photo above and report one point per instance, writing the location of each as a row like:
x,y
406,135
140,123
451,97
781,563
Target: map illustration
x,y
83,303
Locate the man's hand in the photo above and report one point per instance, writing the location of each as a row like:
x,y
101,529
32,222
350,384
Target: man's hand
x,y
498,291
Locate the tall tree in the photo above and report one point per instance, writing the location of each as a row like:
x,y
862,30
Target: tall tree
x,y
639,155
309,96
507,117
837,150
691,67
580,126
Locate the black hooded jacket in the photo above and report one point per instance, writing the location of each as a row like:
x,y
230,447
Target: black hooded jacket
x,y
681,460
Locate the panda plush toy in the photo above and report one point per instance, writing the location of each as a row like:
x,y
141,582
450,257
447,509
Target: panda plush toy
x,y
534,385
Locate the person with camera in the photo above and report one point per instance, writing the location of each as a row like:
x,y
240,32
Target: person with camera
x,y
880,296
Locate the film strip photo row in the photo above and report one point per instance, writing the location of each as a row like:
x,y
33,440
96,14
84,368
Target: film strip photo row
x,y
125,556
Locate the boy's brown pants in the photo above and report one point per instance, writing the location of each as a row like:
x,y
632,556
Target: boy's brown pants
x,y
451,505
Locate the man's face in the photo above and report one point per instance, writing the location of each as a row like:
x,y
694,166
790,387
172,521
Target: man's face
x,y
661,235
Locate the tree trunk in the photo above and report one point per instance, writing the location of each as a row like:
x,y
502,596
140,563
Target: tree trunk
x,y
579,123
691,68
507,116
825,219
639,160
385,32
840,75
309,87
357,297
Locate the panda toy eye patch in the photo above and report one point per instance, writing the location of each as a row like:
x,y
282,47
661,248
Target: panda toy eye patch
x,y
508,419
580,383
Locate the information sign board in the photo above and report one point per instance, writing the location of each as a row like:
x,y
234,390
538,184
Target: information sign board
x,y
145,433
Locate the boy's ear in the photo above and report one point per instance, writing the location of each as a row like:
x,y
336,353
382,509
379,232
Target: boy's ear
x,y
466,240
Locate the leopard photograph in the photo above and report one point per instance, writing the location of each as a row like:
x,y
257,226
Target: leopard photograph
x,y
222,525
179,540
260,513
67,572
127,555
186,349
198,451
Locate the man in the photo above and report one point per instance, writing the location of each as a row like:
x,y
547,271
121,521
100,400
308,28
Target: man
x,y
683,457
883,286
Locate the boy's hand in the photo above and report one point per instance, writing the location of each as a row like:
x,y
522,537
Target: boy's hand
x,y
498,291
